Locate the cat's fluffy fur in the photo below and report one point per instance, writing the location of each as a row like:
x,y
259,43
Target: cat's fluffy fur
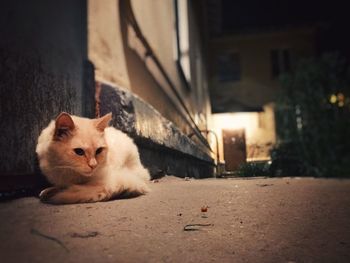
x,y
87,161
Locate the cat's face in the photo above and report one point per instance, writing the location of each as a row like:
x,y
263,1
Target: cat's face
x,y
79,144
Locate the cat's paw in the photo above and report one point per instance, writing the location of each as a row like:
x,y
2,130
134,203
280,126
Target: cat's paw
x,y
46,194
100,196
144,189
140,189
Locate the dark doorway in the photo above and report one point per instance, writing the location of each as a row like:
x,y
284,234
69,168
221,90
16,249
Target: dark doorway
x,y
234,148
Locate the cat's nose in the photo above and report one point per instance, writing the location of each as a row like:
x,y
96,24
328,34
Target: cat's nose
x,y
92,163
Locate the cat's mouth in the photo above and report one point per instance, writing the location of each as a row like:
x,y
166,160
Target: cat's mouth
x,y
88,173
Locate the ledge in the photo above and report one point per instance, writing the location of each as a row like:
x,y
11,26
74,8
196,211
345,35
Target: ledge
x,y
164,149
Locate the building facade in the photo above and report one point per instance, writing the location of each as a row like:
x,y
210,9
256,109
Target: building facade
x,y
143,62
244,72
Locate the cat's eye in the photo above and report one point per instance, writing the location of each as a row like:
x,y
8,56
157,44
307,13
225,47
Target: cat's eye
x,y
79,151
99,150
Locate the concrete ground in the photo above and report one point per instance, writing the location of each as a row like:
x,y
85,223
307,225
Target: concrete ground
x,y
247,220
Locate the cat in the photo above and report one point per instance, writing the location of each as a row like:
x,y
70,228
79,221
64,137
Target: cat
x,y
87,161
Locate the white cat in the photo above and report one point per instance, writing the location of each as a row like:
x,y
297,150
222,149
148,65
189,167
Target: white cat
x,y
87,161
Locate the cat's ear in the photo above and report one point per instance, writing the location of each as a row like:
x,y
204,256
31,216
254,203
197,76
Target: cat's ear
x,y
63,126
103,122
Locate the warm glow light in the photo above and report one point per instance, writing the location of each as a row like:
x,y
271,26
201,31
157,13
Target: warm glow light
x,y
247,121
333,99
341,97
237,121
234,121
259,129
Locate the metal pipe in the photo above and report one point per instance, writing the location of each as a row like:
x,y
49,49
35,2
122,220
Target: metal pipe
x,y
216,142
131,20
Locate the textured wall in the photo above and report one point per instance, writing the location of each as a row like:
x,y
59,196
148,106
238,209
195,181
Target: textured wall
x,y
113,49
105,42
42,61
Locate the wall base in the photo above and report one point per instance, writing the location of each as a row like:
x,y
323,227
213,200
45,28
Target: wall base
x,y
164,149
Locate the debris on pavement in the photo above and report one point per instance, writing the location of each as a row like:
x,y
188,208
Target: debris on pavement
x,y
195,227
264,185
36,232
85,235
204,209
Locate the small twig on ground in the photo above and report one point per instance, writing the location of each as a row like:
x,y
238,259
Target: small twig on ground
x,y
194,227
263,185
36,232
85,235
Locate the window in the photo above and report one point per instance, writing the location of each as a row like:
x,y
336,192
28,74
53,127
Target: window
x,y
182,40
280,61
229,67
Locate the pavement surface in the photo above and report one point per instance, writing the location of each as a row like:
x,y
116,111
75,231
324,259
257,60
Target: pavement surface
x,y
210,220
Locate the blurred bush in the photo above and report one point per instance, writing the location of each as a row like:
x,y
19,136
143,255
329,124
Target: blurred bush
x,y
313,120
254,169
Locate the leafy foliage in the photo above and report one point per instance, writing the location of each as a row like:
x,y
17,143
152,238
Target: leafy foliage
x,y
254,169
313,120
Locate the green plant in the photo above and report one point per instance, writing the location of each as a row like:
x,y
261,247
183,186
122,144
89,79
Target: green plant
x,y
313,119
254,169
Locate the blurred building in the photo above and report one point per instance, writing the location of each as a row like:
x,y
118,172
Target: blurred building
x,y
244,68
144,62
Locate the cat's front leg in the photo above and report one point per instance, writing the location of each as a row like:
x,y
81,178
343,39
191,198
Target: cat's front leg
x,y
80,194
